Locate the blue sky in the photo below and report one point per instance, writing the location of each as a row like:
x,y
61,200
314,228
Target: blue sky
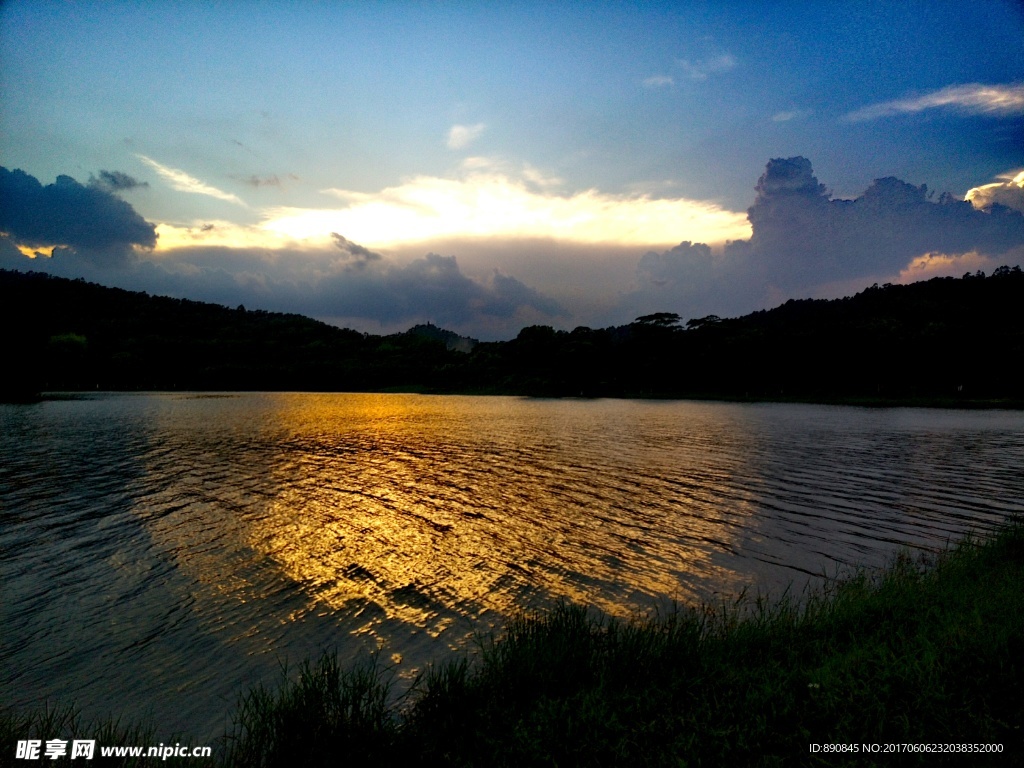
x,y
491,166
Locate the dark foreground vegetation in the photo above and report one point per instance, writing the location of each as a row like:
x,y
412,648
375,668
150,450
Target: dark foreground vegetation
x,y
945,341
925,653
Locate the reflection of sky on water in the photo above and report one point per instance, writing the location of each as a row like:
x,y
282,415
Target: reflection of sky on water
x,y
163,552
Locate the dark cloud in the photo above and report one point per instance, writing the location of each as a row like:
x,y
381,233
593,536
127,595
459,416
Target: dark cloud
x,y
802,237
10,256
269,180
261,181
805,242
431,288
359,255
678,269
247,148
690,279
90,221
116,181
509,294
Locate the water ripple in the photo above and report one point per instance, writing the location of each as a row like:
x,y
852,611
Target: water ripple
x,y
161,552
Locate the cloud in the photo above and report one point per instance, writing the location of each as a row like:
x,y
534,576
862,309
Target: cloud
x,y
269,180
182,182
223,233
953,265
88,219
10,256
460,136
510,294
676,267
540,179
658,81
493,203
359,255
794,114
802,236
116,181
431,288
261,181
806,243
713,65
680,275
970,99
689,279
247,148
1008,192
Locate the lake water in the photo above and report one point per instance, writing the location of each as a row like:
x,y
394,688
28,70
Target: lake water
x,y
160,553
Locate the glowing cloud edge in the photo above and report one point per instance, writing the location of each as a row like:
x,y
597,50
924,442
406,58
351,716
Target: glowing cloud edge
x,y
483,205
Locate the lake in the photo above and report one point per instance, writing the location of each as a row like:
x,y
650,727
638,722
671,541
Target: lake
x,y
159,553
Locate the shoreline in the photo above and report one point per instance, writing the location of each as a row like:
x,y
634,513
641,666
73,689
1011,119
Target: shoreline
x,y
948,403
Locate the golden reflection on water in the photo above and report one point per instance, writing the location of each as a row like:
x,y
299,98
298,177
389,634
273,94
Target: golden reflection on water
x,y
417,509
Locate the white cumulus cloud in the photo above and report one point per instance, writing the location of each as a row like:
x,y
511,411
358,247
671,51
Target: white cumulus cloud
x,y
1008,191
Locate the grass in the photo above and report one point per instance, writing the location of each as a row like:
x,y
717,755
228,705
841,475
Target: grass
x,y
922,652
326,714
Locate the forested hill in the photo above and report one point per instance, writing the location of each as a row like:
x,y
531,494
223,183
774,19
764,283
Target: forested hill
x,y
73,335
945,340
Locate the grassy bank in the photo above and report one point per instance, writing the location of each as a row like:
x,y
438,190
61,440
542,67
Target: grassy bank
x,y
928,653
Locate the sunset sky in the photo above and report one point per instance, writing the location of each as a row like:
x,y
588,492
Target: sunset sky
x,y
489,166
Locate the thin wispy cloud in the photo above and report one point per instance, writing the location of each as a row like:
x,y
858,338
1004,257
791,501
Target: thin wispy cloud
x,y
969,99
658,81
713,65
793,114
183,182
460,136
